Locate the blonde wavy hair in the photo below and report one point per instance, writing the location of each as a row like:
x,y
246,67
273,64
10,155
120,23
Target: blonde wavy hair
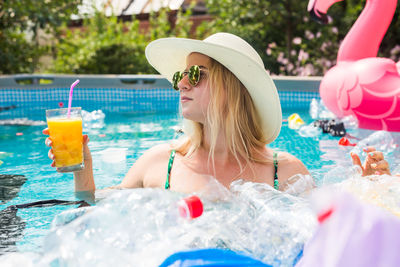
x,y
232,111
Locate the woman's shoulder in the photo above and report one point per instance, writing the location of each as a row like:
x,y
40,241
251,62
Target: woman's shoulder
x,y
146,171
158,152
289,165
286,157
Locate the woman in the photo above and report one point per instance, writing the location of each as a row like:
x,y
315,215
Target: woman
x,y
231,111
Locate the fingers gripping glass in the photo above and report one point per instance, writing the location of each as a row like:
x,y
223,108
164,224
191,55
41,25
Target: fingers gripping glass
x,y
194,75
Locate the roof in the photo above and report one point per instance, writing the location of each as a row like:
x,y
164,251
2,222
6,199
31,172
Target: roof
x,y
125,7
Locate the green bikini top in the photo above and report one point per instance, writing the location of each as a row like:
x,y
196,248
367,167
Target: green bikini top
x,y
172,157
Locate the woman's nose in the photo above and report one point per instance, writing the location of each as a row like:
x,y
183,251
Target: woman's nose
x,y
184,83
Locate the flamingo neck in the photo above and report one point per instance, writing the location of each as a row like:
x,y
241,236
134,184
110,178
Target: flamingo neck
x,y
364,38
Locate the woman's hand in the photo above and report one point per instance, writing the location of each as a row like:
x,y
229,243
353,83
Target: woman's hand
x,y
374,164
86,152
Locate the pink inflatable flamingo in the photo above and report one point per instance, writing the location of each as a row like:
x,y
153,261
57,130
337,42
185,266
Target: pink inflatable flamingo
x,y
362,84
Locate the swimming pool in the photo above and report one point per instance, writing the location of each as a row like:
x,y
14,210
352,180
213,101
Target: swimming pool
x,y
26,154
131,131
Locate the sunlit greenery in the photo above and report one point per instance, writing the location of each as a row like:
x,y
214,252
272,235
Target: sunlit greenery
x,y
20,23
289,42
109,45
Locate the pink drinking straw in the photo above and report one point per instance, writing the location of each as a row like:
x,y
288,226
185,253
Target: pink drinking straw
x,y
70,97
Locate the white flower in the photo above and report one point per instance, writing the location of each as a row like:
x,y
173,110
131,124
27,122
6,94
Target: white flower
x,y
297,40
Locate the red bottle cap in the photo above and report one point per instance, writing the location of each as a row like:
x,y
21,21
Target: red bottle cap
x,y
190,207
345,142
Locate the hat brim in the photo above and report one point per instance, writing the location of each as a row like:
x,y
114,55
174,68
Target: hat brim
x,y
168,55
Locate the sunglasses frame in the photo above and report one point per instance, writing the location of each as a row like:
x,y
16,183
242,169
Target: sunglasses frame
x,y
194,75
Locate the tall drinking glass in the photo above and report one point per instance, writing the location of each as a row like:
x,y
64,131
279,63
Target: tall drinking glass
x,y
66,136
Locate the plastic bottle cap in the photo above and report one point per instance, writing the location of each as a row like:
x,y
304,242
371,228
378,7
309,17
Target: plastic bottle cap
x,y
345,142
190,207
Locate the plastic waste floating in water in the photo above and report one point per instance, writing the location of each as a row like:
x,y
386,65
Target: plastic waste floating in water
x,y
113,159
94,119
318,110
345,142
309,130
21,121
380,190
143,226
383,141
380,140
190,207
333,127
295,121
298,185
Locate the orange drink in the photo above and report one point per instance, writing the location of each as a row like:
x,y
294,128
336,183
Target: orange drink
x,y
66,136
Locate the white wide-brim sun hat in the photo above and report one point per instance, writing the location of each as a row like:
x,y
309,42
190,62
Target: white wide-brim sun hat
x,y
168,55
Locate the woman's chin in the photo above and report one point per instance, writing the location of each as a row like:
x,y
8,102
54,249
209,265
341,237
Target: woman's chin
x,y
192,117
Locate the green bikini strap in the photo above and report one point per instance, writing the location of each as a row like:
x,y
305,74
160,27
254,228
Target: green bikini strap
x,y
276,182
170,162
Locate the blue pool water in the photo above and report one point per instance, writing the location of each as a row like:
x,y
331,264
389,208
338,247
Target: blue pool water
x,y
24,153
106,233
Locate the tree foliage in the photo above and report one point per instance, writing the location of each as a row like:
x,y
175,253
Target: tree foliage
x,y
289,42
20,23
109,45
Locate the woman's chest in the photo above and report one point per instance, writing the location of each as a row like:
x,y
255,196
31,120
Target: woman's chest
x,y
193,176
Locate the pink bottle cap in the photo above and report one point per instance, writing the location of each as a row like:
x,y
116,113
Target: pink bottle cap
x,y
190,207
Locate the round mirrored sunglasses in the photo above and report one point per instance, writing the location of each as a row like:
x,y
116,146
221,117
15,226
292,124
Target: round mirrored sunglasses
x,y
194,75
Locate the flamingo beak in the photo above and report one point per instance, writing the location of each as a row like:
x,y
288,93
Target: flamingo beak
x,y
318,16
318,10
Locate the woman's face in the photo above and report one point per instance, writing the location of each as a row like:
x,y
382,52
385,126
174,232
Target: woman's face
x,y
195,99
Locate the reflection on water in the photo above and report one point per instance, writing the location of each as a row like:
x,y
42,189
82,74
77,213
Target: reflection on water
x,y
11,230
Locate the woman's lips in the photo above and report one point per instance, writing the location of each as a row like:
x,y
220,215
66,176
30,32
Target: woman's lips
x,y
185,99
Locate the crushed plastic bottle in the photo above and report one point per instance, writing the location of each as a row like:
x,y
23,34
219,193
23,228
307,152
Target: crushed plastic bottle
x,y
295,121
318,110
309,130
381,140
143,226
350,122
113,159
298,185
93,120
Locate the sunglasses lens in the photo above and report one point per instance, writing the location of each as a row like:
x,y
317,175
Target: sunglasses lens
x,y
176,79
194,75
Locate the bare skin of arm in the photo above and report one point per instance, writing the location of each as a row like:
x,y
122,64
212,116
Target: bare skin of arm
x,y
374,164
83,179
145,172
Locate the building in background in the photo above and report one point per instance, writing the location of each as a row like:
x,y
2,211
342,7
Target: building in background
x,y
141,9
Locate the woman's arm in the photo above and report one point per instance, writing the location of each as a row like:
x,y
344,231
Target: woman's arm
x,y
83,179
